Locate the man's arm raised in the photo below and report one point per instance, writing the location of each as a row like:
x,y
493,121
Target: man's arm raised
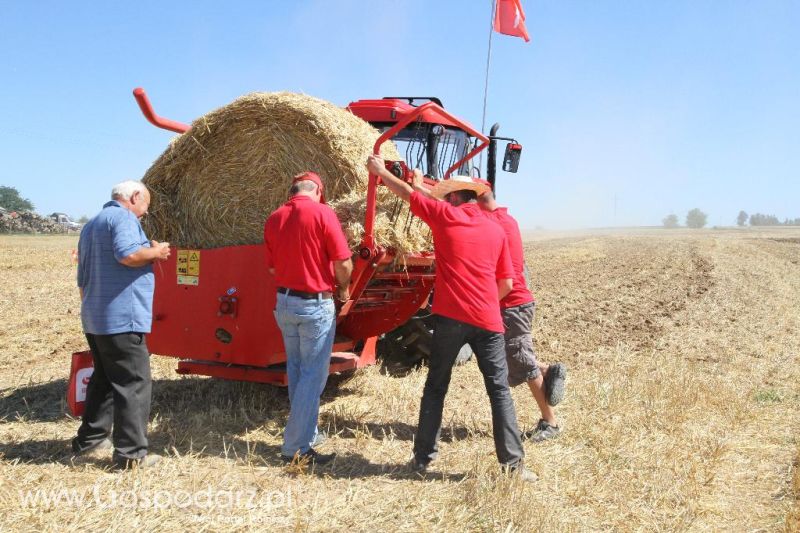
x,y
419,185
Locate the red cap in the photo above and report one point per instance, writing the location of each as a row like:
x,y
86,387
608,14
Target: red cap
x,y
483,182
312,176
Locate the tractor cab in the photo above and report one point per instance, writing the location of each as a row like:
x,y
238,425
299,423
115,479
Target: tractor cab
x,y
434,143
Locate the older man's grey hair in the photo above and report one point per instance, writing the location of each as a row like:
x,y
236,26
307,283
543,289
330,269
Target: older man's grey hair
x,y
124,190
303,186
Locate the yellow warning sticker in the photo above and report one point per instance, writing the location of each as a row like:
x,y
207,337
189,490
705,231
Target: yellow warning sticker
x,y
194,262
183,262
188,267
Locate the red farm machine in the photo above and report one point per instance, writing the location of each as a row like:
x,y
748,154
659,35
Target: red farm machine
x,y
213,307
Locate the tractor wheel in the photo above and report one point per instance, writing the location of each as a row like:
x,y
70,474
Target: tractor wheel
x,y
409,346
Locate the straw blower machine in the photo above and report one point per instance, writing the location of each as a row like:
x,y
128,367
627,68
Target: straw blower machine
x,y
213,307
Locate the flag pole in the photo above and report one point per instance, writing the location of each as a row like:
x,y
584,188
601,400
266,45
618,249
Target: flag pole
x,y
486,81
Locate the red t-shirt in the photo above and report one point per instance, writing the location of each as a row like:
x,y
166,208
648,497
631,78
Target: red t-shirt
x,y
471,255
519,294
302,239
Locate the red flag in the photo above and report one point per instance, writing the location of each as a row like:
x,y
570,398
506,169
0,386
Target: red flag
x,y
509,19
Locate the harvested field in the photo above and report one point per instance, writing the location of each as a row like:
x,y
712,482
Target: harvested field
x,y
682,408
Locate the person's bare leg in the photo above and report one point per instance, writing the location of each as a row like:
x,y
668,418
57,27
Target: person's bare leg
x,y
542,368
537,389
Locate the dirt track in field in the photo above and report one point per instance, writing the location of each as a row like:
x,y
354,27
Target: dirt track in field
x,y
610,291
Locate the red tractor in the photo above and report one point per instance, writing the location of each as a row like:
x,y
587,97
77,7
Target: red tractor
x,y
213,307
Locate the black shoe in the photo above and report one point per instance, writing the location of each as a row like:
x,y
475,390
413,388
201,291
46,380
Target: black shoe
x,y
101,450
543,431
311,456
554,383
418,466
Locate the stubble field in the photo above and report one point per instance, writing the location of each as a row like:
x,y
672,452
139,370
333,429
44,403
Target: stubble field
x,y
681,409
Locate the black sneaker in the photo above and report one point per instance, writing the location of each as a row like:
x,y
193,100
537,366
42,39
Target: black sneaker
x,y
101,450
312,456
543,431
554,383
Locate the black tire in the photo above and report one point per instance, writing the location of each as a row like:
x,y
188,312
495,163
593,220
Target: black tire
x,y
409,346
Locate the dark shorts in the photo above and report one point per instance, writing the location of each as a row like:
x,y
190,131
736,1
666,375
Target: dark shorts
x,y
520,353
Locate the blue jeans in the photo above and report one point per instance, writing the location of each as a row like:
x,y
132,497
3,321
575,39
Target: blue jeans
x,y
308,327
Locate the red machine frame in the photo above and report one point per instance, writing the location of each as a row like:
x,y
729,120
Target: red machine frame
x,y
223,325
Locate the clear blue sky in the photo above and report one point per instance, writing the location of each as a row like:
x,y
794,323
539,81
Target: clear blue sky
x,y
665,105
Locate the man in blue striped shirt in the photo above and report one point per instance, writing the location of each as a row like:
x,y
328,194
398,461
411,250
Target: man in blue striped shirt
x,y
116,283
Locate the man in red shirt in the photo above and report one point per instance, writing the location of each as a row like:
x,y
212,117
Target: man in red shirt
x,y
545,381
308,254
473,272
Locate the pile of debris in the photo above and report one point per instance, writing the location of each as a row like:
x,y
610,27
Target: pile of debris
x,y
28,222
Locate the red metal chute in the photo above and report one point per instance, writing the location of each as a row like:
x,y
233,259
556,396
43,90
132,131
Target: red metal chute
x,y
150,115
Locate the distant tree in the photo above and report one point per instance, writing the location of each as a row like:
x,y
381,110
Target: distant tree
x,y
83,220
758,219
696,218
741,220
12,201
670,221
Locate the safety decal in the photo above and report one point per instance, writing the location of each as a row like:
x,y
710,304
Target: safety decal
x,y
188,267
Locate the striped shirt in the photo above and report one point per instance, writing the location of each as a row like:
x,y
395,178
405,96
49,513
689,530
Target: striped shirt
x,y
116,298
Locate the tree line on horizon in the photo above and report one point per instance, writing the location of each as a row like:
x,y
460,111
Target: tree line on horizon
x,y
758,219
11,200
695,218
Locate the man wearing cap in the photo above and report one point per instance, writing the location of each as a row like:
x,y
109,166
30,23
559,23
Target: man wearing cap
x,y
473,271
546,382
308,254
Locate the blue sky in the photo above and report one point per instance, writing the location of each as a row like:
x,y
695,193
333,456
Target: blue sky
x,y
664,105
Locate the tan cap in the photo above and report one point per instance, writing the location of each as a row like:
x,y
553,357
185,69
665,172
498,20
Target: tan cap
x,y
458,183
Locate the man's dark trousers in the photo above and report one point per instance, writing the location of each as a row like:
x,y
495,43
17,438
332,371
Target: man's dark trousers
x,y
118,393
448,337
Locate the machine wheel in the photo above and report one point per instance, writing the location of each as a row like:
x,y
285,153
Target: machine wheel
x,y
464,355
409,346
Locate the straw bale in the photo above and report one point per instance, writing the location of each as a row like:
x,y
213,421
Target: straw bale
x,y
393,221
217,183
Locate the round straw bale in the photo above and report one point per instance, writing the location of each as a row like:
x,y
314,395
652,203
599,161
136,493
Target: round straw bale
x,y
216,184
